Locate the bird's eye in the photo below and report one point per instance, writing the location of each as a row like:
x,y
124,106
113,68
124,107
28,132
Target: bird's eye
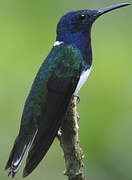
x,y
83,17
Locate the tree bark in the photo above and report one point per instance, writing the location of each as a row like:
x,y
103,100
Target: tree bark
x,y
68,137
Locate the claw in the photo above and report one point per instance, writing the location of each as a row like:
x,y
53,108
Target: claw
x,y
78,98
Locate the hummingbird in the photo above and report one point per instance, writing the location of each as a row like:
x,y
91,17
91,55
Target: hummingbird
x,y
60,77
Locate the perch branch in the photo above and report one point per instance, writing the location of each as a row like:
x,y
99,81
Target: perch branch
x,y
68,137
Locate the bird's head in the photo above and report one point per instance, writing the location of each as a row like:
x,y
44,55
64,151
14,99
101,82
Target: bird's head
x,y
81,20
76,21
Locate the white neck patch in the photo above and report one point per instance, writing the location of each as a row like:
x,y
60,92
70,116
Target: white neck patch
x,y
57,43
82,80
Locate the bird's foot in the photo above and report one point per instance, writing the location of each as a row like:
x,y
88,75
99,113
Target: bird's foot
x,y
78,98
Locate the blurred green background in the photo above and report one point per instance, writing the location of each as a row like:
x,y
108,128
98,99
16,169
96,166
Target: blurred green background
x,y
27,33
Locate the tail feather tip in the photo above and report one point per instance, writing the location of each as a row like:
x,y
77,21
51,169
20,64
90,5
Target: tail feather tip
x,y
11,173
25,173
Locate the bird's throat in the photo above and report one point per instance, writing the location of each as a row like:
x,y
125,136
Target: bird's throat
x,y
80,41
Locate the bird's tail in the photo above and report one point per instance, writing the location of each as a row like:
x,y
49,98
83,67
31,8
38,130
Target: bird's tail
x,y
17,154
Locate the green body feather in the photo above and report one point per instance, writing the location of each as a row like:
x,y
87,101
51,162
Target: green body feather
x,y
64,61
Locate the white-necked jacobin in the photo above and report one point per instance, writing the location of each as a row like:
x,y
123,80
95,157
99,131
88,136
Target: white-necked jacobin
x,y
60,76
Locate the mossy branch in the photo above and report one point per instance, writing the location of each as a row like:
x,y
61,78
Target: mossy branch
x,y
68,138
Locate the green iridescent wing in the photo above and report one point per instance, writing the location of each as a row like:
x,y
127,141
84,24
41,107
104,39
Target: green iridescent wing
x,y
45,107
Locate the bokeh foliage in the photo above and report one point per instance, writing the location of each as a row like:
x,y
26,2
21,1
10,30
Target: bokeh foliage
x,y
27,33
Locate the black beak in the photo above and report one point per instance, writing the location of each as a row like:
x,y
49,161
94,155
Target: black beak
x,y
107,9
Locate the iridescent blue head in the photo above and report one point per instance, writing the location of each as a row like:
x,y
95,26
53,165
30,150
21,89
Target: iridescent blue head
x,y
75,28
76,21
